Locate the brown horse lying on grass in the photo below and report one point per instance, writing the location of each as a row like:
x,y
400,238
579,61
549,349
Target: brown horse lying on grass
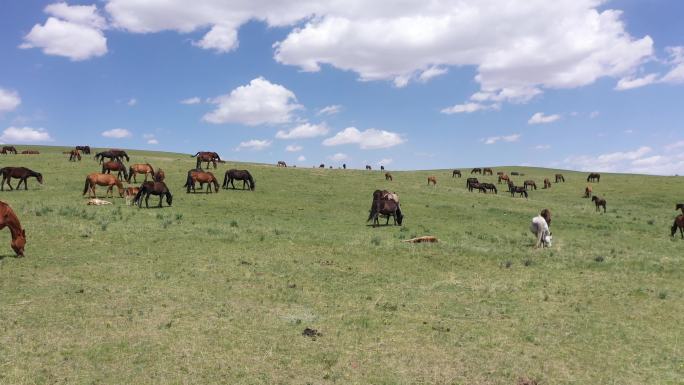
x,y
599,202
95,179
202,177
21,173
153,188
9,219
678,223
30,152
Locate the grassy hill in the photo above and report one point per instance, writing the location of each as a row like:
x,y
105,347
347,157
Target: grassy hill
x,y
218,288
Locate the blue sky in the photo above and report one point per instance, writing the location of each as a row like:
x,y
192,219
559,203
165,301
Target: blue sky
x,y
581,84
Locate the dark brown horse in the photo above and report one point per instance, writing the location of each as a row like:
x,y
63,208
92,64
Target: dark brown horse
x,y
388,176
386,207
8,149
112,155
243,175
547,183
433,180
594,177
30,152
321,165
560,178
153,188
530,183
517,190
95,179
9,219
487,171
139,168
484,187
599,202
456,172
201,177
84,149
74,155
476,171
159,175
678,223
208,157
368,167
281,164
472,184
587,192
109,166
471,180
21,173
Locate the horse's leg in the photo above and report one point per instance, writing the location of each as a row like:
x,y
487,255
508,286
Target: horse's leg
x,y
160,200
147,200
25,184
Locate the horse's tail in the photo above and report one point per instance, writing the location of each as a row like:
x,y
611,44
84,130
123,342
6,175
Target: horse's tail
x,y
192,156
87,186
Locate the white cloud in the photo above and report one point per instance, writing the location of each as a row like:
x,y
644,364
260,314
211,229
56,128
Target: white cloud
x,y
301,158
675,145
385,162
610,162
594,114
540,118
9,100
132,102
330,110
676,74
368,139
305,130
193,100
338,157
24,135
254,144
432,72
117,133
507,138
220,38
150,138
293,148
469,107
73,31
629,83
542,147
259,102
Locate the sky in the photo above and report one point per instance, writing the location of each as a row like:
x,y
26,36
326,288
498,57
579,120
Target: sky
x,y
408,84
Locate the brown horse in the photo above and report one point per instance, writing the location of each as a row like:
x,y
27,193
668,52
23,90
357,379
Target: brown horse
x,y
281,163
678,223
9,219
139,168
487,171
530,183
153,188
387,204
599,202
388,176
109,166
21,173
85,149
112,155
499,173
201,177
30,152
456,172
6,149
587,192
433,180
594,177
560,178
243,175
206,156
476,171
74,155
159,175
96,179
547,183
503,178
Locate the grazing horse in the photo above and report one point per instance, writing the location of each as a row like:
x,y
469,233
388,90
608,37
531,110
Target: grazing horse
x,y
109,166
85,149
476,171
547,183
514,173
112,155
139,168
594,177
30,152
517,189
487,171
159,175
472,185
456,172
153,188
384,205
9,219
678,223
503,178
489,187
6,149
344,166
388,176
74,155
21,173
471,180
386,195
281,164
206,156
587,192
560,178
680,206
243,175
530,183
321,165
499,173
433,180
109,180
599,202
368,167
382,168
201,177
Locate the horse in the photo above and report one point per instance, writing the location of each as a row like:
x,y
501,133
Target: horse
x,y
111,155
130,193
433,180
139,168
456,172
678,223
159,175
96,179
281,164
388,208
321,165
517,189
515,173
74,155
680,206
560,178
153,188
6,149
599,202
530,183
488,187
344,166
243,175
206,156
594,177
471,180
487,171
473,185
109,166
30,152
368,167
499,173
388,176
386,195
476,171
9,219
201,177
85,149
503,177
21,173
547,183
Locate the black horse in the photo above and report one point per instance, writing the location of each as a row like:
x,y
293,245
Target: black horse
x,y
21,173
517,190
469,181
388,208
153,188
488,187
594,177
113,155
84,149
243,175
456,172
680,206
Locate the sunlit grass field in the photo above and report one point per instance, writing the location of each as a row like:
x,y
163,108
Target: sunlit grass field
x,y
218,288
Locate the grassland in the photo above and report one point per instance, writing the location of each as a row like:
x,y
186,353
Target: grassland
x,y
218,288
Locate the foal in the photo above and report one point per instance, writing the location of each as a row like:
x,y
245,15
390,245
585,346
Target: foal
x,y
599,202
433,180
388,176
678,223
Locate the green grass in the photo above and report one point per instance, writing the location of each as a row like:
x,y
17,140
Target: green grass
x,y
219,287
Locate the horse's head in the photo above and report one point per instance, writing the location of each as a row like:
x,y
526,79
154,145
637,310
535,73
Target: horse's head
x,y
169,198
39,176
252,185
400,217
18,243
594,198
